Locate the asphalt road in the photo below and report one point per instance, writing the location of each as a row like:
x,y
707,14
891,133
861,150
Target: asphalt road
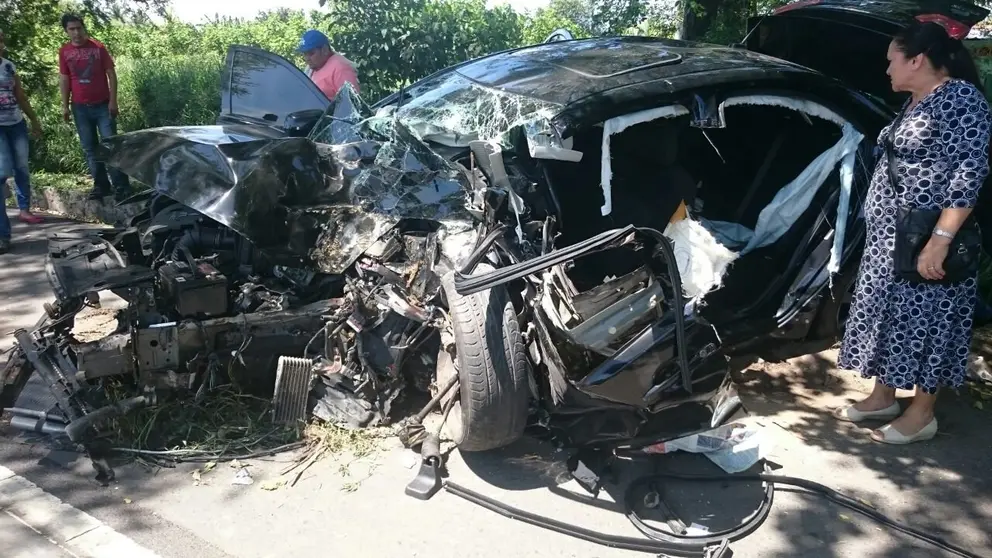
x,y
20,541
342,507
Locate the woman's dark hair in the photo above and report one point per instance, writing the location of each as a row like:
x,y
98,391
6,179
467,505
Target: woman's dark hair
x,y
69,18
943,51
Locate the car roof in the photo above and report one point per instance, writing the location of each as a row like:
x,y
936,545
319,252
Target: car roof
x,y
895,11
566,72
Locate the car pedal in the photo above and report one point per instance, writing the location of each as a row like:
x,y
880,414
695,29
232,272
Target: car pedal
x,y
427,483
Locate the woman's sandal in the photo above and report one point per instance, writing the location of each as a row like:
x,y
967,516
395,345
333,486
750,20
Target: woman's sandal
x,y
850,414
889,435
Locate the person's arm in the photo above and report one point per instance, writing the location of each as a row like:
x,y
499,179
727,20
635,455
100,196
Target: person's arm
x,y
350,75
968,160
64,86
25,104
108,63
112,83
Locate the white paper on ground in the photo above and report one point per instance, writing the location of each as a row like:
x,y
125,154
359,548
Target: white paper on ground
x,y
733,447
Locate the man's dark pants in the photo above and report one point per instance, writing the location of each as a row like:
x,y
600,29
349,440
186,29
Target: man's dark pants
x,y
92,120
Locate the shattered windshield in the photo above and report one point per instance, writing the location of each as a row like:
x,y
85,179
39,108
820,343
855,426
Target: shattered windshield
x,y
456,111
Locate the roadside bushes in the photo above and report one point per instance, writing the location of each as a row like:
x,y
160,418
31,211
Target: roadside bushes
x,y
172,91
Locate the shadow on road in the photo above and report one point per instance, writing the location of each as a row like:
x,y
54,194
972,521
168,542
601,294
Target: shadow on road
x,y
942,486
22,273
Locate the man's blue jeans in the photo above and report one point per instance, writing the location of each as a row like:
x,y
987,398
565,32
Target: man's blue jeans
x,y
90,121
14,162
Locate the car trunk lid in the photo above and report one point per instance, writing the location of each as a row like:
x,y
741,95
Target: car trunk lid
x,y
858,33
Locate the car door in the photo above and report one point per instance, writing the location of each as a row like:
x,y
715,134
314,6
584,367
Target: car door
x,y
858,33
263,89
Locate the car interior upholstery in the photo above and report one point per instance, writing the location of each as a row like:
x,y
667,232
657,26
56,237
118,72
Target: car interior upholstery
x,y
725,176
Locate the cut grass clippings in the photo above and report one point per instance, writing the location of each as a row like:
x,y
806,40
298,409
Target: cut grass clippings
x,y
223,424
226,425
325,439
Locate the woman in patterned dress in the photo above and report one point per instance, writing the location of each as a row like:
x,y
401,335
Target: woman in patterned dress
x,y
914,335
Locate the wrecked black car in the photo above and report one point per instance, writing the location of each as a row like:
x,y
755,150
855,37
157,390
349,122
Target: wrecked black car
x,y
581,232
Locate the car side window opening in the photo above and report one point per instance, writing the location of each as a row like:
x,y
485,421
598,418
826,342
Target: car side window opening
x,y
267,89
736,194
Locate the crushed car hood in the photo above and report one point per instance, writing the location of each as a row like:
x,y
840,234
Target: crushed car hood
x,y
327,203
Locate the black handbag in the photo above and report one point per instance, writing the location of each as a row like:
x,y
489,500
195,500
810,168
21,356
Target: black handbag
x,y
914,227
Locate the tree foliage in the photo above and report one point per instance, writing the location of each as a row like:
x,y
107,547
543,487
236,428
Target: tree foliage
x,y
394,42
170,70
33,32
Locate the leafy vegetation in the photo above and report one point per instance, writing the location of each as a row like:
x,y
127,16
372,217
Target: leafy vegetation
x,y
169,70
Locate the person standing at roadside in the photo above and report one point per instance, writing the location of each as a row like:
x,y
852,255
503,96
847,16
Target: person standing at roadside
x,y
14,105
328,69
88,82
905,333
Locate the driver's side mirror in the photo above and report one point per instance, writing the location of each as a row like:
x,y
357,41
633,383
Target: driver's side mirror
x,y
299,124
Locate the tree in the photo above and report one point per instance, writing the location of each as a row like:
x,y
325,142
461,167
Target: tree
x,y
395,42
721,21
545,21
33,30
615,17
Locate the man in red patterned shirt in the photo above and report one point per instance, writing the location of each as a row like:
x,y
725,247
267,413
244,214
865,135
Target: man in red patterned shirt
x,y
89,81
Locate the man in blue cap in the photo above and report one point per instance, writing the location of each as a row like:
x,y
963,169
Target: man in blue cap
x,y
328,69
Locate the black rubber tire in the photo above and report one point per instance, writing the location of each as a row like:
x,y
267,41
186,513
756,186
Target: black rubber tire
x,y
492,365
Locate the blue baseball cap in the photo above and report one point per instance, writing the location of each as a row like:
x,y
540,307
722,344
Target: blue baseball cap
x,y
312,39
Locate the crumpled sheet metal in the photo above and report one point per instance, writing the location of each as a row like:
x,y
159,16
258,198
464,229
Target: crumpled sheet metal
x,y
328,203
339,122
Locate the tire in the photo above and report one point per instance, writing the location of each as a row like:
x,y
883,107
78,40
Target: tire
x,y
492,366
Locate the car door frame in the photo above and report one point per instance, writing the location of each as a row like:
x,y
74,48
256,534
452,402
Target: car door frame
x,y
228,116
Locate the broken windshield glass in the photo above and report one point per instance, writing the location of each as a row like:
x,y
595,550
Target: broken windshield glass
x,y
458,111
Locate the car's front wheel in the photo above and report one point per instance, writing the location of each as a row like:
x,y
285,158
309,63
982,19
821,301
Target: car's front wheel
x,y
488,355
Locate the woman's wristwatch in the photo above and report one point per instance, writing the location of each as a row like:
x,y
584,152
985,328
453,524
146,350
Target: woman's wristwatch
x,y
937,231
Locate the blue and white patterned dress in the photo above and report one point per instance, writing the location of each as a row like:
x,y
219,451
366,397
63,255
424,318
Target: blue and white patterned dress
x,y
909,334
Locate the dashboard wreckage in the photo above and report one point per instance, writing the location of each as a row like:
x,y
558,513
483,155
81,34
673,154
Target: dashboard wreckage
x,y
582,232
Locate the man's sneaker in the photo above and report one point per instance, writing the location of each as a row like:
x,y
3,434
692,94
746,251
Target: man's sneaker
x,y
4,245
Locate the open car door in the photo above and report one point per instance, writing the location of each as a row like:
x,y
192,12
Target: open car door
x,y
259,88
848,39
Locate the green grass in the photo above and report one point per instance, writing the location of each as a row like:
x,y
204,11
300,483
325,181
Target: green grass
x,y
175,91
40,181
61,182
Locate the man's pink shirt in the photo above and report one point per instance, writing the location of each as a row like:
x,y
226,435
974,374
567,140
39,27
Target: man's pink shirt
x,y
333,74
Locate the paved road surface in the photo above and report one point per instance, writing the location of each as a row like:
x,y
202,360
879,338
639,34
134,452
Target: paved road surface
x,y
943,486
20,541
